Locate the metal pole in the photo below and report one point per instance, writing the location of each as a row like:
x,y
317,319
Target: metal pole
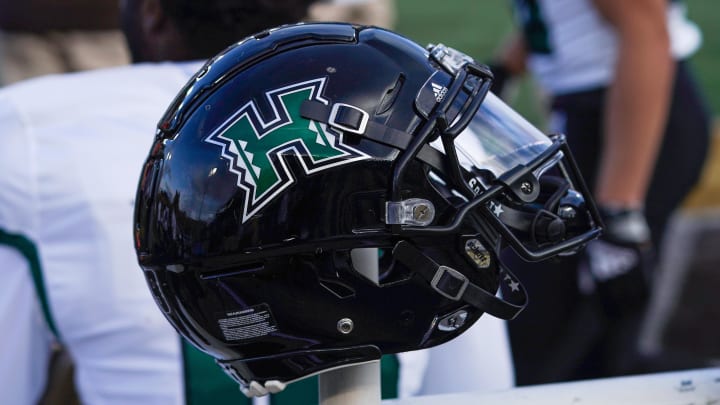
x,y
352,385
358,384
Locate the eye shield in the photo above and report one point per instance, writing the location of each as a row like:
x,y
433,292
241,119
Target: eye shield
x,y
497,139
523,182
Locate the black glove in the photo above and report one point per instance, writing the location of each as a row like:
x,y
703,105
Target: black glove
x,y
621,260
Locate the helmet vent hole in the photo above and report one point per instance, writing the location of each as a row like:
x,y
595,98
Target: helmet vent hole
x,y
390,96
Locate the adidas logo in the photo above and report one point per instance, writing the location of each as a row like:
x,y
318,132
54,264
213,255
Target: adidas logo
x,y
439,91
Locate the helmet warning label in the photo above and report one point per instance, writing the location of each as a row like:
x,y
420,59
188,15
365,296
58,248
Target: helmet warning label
x,y
247,324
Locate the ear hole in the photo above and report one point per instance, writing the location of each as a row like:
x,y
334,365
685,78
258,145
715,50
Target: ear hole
x,y
365,261
378,266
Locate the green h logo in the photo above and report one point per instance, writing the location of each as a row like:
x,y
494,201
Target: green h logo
x,y
255,147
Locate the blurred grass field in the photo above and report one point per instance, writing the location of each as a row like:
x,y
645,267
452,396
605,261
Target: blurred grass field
x,y
478,28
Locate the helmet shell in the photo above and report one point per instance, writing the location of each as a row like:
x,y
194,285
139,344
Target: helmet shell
x,y
248,214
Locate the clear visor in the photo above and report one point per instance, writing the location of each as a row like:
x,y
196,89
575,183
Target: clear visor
x,y
497,139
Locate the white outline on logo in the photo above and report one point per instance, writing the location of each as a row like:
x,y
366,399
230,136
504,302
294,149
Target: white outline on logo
x,y
280,118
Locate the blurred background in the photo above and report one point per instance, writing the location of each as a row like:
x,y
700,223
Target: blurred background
x,y
683,317
478,27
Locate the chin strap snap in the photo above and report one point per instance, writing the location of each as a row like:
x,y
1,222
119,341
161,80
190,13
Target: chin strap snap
x,y
454,285
255,389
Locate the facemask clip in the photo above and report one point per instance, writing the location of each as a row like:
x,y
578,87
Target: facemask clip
x,y
413,211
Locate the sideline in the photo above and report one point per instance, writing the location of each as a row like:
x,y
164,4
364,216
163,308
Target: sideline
x,y
700,386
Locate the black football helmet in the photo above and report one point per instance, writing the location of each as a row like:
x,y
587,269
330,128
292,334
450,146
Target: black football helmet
x,y
321,194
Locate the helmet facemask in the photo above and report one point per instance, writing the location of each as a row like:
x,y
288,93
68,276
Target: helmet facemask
x,y
510,182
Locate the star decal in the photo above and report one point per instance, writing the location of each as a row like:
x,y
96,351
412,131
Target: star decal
x,y
514,285
496,209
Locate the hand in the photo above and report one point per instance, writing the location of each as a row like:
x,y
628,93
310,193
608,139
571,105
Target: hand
x,y
621,260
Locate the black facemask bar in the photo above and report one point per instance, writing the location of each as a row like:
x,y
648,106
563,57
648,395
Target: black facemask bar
x,y
469,77
511,179
475,80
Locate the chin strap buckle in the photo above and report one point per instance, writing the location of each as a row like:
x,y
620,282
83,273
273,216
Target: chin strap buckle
x,y
455,286
348,118
449,282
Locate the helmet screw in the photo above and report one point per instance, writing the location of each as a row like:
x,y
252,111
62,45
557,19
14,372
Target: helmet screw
x,y
345,326
526,187
422,213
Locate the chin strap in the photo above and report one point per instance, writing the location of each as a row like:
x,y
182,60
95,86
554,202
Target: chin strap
x,y
454,285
